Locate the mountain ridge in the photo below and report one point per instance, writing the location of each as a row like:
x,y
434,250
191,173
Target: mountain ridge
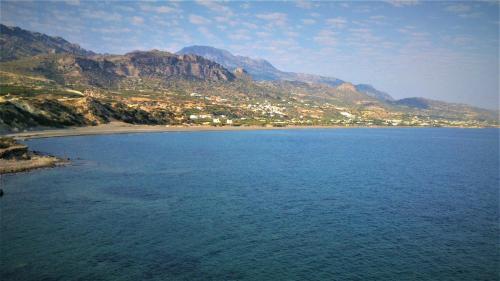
x,y
16,43
261,69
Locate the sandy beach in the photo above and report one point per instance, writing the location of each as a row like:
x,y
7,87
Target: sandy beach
x,y
116,127
125,128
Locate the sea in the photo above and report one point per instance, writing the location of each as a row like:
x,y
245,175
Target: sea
x,y
298,204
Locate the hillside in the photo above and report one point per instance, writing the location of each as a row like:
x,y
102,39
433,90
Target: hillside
x,y
371,91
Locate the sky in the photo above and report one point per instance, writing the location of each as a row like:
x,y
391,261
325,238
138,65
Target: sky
x,y
444,50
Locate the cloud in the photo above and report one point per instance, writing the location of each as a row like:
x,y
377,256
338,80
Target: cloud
x,y
245,5
458,8
226,19
403,3
378,17
101,15
308,21
137,20
336,22
462,10
241,34
459,40
304,4
206,32
263,34
325,37
115,30
73,2
199,20
278,19
215,7
160,9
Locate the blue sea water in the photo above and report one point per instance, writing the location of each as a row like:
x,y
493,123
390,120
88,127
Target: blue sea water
x,y
316,204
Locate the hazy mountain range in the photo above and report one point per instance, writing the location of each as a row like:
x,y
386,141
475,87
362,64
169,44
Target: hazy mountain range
x,y
261,69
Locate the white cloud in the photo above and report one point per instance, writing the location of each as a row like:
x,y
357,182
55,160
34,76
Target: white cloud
x,y
263,34
195,19
137,20
73,2
304,4
226,19
402,3
462,10
278,19
215,7
241,34
308,21
336,22
115,30
160,9
458,8
250,25
206,32
378,17
101,15
459,40
245,5
325,37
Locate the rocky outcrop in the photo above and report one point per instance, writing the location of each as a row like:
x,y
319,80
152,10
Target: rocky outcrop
x,y
15,157
10,149
242,74
346,87
158,64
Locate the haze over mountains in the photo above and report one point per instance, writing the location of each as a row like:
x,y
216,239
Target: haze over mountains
x,y
261,69
49,81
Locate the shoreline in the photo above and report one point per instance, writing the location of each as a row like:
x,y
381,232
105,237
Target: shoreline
x,y
125,128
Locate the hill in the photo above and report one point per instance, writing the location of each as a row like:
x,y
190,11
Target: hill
x,y
17,43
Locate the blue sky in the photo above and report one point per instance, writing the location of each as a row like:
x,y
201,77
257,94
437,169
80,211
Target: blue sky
x,y
440,50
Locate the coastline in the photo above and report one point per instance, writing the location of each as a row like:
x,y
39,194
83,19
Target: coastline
x,y
126,128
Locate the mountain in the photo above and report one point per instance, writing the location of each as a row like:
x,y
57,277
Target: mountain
x,y
259,69
372,92
17,43
108,70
